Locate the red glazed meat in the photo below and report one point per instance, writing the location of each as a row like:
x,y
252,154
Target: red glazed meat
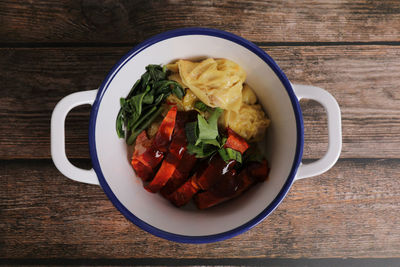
x,y
231,185
151,153
236,142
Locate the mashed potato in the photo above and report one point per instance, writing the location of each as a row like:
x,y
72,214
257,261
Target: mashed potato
x,y
220,83
216,82
250,122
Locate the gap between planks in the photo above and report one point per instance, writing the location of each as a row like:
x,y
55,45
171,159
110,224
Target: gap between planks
x,y
100,44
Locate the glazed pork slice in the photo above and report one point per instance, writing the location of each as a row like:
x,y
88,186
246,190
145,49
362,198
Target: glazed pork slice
x,y
176,151
169,165
164,133
184,193
145,158
203,179
231,185
149,153
180,175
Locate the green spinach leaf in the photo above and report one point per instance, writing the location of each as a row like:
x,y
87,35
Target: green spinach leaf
x,y
143,102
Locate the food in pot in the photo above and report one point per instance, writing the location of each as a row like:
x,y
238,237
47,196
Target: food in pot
x,y
194,126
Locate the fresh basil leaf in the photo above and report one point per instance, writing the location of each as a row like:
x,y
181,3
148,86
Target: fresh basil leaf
x,y
178,90
200,106
145,79
209,130
208,150
156,72
148,99
119,125
133,89
194,150
136,106
213,142
203,136
144,100
253,154
191,132
142,118
201,151
122,101
159,99
228,154
213,120
223,141
151,117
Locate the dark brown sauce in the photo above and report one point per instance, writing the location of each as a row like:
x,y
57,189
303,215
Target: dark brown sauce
x,y
227,185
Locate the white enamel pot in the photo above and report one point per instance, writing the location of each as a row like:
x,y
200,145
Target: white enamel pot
x,y
151,212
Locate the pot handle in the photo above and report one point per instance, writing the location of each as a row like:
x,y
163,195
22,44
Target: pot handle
x,y
63,107
334,130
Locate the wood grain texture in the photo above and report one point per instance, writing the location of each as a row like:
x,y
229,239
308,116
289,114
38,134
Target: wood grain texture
x,y
45,215
106,21
364,79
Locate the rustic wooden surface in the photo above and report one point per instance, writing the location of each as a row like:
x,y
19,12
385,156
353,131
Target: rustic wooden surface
x,y
351,48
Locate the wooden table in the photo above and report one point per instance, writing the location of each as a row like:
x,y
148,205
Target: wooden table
x,y
49,49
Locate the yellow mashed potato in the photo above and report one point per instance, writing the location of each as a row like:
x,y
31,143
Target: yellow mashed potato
x,y
220,83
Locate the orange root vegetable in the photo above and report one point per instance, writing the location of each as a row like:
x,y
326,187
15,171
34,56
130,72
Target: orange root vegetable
x,y
180,176
151,152
145,158
164,133
215,169
258,170
214,181
176,150
229,187
143,171
236,142
165,172
184,193
207,175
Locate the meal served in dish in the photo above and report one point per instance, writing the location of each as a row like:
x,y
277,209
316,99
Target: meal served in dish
x,y
194,127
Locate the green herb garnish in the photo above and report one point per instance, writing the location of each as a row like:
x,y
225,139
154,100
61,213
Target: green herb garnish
x,y
229,154
253,154
203,136
201,106
204,139
143,103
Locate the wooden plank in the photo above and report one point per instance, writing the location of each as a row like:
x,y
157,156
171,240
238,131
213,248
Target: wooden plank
x,y
106,21
350,211
364,79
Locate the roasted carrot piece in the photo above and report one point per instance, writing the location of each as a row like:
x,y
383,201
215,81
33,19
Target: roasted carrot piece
x,y
258,170
229,187
142,171
203,179
164,133
236,142
144,158
165,172
215,169
178,144
152,154
142,143
151,158
180,176
176,150
184,193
